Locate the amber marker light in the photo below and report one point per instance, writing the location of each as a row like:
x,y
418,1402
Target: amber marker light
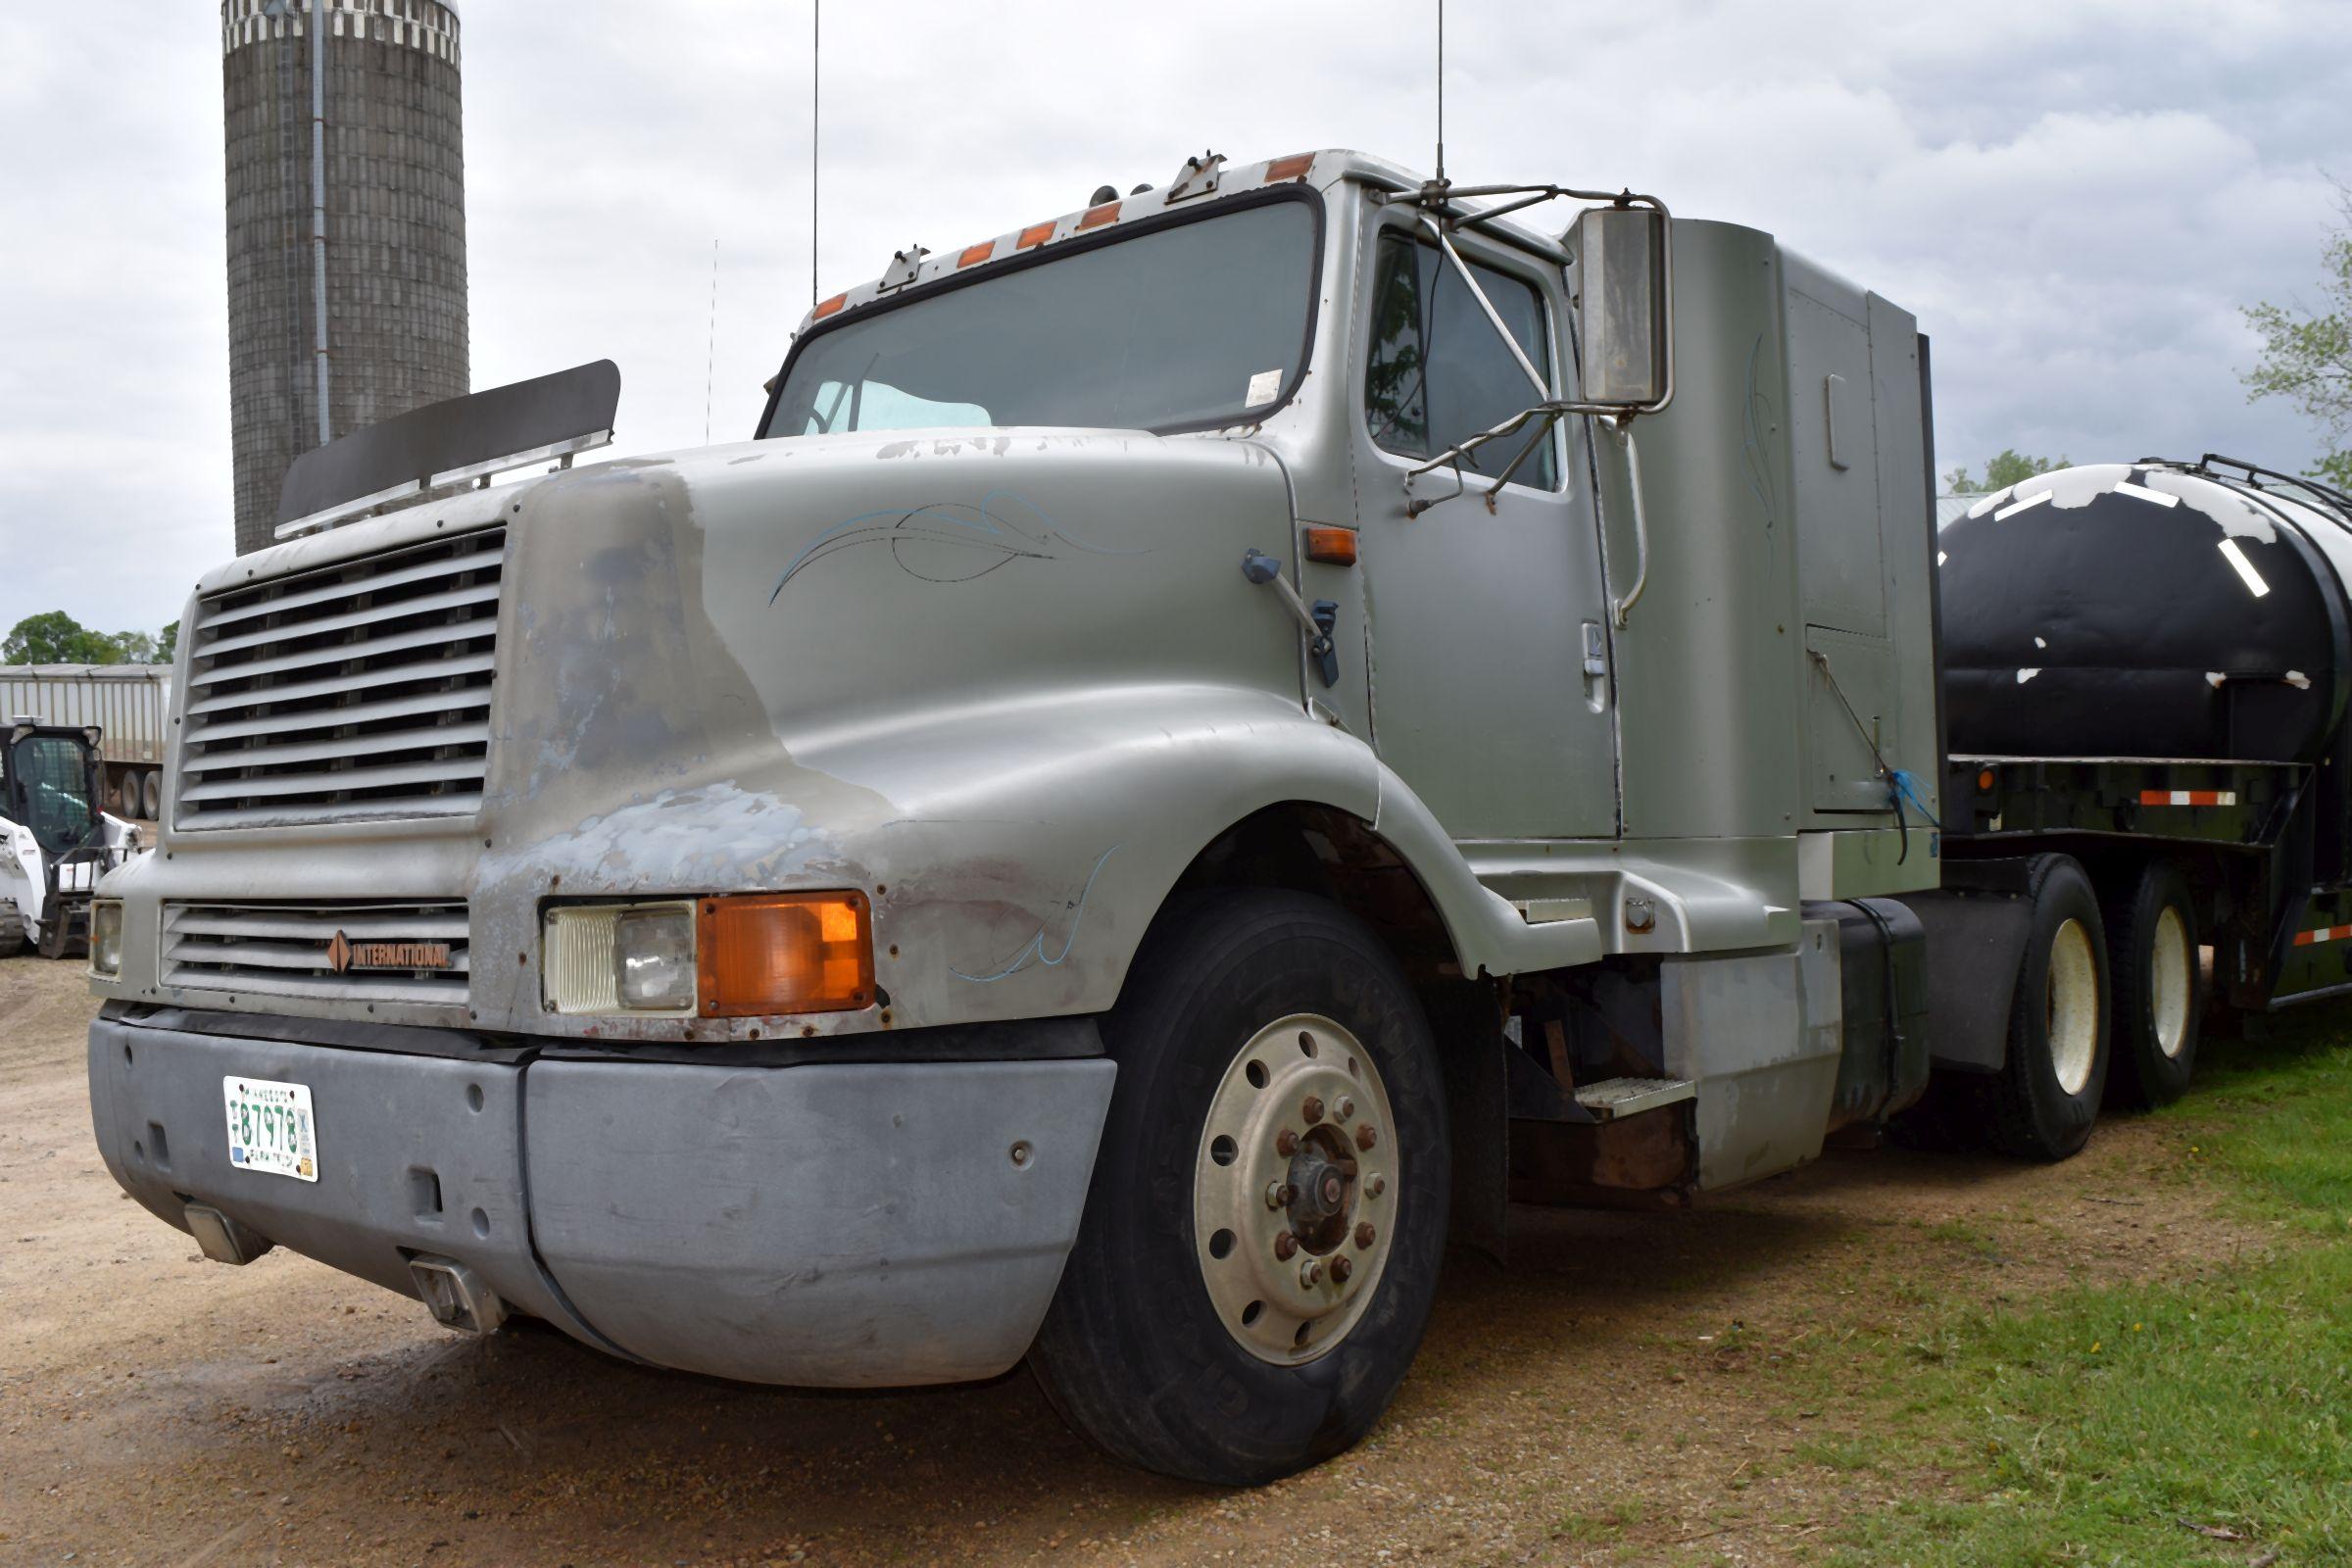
x,y
830,306
768,952
1334,547
1985,779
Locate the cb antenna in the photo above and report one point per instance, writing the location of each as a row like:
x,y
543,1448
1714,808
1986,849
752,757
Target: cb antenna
x,y
817,28
1441,92
711,363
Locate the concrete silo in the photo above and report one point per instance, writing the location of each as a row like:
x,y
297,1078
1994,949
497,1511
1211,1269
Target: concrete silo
x,y
394,201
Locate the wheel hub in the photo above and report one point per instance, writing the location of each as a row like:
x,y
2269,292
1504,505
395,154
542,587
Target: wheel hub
x,y
1292,1195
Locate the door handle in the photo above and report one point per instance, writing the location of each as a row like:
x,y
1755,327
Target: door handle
x,y
1316,623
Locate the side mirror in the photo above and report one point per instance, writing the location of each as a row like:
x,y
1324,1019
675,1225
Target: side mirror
x,y
1626,288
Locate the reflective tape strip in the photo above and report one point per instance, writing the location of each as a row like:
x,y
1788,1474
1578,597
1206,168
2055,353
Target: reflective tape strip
x,y
2326,933
2188,797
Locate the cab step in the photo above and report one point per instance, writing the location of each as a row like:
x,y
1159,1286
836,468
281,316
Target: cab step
x,y
1614,1099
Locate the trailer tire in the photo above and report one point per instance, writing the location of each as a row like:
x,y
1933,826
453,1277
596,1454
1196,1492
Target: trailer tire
x,y
126,795
151,795
2054,1071
12,931
2152,959
1242,992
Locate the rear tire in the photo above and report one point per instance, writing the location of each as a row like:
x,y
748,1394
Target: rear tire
x,y
2153,959
151,796
1185,1336
2054,1071
12,931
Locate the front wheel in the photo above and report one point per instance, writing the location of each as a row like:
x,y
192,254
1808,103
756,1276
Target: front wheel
x,y
1263,1233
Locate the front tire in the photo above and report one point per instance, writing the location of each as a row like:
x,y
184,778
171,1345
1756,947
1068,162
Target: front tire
x,y
1251,1281
2054,1071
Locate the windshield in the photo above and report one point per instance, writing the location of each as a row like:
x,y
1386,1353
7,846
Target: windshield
x,y
48,786
1201,324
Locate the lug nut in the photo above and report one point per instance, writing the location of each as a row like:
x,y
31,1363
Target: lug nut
x,y
1345,1108
1365,1137
1376,1184
1341,1268
1277,1194
1313,1110
1310,1272
1364,1234
1286,1143
1286,1247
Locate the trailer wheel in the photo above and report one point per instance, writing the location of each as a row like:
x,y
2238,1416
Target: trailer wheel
x,y
2055,1068
151,795
125,796
2152,957
1261,1241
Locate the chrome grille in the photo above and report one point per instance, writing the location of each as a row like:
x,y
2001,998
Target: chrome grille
x,y
290,950
360,690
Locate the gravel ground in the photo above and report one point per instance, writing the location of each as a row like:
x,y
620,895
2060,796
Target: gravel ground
x,y
1614,1395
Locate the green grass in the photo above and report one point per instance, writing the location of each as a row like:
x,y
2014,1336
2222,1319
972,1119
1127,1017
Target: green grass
x,y
2100,1425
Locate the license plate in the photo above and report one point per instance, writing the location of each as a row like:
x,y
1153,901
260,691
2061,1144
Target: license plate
x,y
270,1128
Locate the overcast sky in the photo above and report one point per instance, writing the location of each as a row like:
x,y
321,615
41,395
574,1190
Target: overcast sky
x,y
2075,196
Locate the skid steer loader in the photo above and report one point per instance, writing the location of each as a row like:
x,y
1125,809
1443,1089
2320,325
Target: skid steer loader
x,y
55,841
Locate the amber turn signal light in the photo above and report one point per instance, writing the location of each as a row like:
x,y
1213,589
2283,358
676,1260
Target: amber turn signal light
x,y
768,952
1334,547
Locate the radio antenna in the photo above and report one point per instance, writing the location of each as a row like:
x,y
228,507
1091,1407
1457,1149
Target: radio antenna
x,y
816,28
711,363
1441,92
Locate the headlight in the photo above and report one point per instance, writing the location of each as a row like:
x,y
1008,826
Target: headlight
x,y
106,937
749,955
653,960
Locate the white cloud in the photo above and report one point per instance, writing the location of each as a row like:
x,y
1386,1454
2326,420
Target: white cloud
x,y
2076,196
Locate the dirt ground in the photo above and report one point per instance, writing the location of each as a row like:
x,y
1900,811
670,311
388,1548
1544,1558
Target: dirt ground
x,y
158,1408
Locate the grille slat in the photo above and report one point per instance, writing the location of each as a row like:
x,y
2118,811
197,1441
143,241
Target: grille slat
x,y
355,691
320,750
288,949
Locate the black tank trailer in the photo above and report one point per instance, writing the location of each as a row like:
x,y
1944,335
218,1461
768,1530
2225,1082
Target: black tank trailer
x,y
2145,675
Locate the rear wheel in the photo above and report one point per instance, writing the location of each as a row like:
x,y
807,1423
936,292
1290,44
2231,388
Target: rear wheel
x,y
2054,1071
151,796
1261,1241
2153,959
12,931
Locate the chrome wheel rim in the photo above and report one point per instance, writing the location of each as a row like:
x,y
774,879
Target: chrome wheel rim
x,y
2073,1006
2169,970
1294,1189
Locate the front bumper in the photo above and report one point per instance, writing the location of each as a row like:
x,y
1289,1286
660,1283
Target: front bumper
x,y
825,1224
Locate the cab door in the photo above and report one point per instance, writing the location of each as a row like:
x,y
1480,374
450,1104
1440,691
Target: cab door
x,y
1487,612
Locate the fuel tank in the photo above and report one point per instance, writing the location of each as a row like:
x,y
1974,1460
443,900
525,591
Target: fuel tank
x,y
2148,610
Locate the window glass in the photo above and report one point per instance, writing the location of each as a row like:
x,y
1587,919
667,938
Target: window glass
x,y
1195,324
1438,373
49,784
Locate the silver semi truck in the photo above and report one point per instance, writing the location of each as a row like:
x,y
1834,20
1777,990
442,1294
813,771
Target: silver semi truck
x,y
1207,745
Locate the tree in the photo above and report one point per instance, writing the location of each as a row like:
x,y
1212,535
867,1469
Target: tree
x,y
54,637
167,645
2307,354
2002,471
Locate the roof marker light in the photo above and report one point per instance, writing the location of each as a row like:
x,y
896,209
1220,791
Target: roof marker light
x,y
2246,568
829,307
1034,234
1291,168
1097,216
974,254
